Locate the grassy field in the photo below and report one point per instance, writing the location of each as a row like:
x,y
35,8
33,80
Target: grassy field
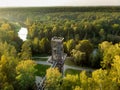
x,y
40,59
40,55
69,61
41,69
74,72
43,57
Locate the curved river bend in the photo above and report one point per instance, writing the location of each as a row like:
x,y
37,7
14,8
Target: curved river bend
x,y
23,33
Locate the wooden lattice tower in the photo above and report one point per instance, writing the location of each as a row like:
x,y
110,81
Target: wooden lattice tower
x,y
57,59
58,55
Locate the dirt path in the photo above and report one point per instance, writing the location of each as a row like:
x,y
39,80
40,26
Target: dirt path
x,y
43,62
36,57
38,78
66,66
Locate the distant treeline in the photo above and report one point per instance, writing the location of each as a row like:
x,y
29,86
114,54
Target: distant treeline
x,y
64,9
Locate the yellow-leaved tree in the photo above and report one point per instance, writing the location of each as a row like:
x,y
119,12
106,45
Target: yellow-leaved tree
x,y
70,82
115,72
25,74
53,78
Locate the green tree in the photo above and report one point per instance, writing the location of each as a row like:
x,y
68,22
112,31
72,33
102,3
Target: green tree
x,y
101,80
86,47
70,82
53,78
70,44
87,28
7,49
109,55
104,45
83,80
8,86
32,31
115,72
26,52
78,88
5,26
102,34
28,21
35,45
77,37
78,57
116,28
95,59
99,77
7,72
25,74
44,45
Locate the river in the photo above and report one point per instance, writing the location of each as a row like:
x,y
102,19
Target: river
x,y
23,33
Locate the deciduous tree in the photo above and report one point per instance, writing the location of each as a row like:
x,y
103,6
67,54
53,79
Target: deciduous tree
x,y
53,78
25,74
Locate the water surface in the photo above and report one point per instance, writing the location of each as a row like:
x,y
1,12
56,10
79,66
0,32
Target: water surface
x,y
23,33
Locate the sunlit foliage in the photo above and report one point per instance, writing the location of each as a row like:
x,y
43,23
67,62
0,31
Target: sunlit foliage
x,y
25,74
53,78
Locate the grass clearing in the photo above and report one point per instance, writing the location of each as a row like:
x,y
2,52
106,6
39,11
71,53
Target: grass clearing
x,y
40,55
74,72
40,59
41,69
69,61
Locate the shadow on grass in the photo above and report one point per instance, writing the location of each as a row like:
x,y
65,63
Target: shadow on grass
x,y
40,59
41,69
74,72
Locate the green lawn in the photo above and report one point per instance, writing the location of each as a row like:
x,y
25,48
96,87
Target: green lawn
x,y
74,72
41,69
40,55
69,61
40,59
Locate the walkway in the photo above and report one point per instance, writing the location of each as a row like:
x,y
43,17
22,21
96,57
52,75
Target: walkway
x,y
66,66
39,79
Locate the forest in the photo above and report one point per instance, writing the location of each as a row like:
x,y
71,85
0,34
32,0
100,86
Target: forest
x,y
91,39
